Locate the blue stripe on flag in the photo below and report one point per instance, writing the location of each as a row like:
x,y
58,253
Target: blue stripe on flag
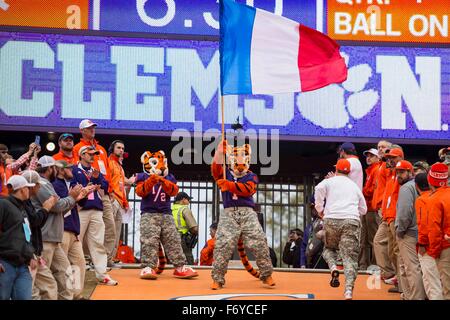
x,y
236,28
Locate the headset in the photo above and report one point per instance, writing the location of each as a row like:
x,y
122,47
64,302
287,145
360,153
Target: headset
x,y
113,144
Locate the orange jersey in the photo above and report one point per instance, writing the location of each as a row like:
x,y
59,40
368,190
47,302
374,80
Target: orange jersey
x,y
390,198
61,156
422,217
117,181
369,186
5,174
380,176
101,162
439,218
207,253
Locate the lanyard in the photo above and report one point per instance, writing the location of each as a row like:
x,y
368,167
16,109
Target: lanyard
x,y
88,177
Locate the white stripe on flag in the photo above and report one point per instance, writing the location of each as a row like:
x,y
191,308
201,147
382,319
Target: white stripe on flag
x,y
274,54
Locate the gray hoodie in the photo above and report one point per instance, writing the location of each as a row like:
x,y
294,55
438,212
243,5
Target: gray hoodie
x,y
405,220
53,230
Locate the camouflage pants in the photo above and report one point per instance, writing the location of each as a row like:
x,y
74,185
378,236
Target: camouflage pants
x,y
242,222
155,228
343,235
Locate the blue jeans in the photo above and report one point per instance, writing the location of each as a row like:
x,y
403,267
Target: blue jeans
x,y
15,282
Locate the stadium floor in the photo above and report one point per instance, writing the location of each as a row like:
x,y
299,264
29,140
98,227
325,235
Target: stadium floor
x,y
290,285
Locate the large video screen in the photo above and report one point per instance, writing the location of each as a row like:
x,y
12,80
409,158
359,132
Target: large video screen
x,y
54,80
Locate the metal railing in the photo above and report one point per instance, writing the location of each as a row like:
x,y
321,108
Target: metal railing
x,y
282,204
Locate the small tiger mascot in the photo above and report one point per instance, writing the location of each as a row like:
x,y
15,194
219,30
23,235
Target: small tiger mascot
x,y
238,220
155,185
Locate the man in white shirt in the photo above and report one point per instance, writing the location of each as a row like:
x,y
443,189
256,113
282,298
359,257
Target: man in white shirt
x,y
345,204
348,151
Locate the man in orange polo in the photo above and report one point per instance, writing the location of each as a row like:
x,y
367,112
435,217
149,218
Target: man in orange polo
x,y
118,185
439,223
101,163
66,153
388,208
371,220
380,240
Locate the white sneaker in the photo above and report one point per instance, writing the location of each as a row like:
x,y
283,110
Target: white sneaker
x,y
108,281
148,273
348,295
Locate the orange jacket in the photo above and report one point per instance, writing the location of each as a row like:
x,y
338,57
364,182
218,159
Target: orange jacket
x,y
369,186
390,198
207,253
117,181
5,174
61,156
101,162
423,218
380,176
439,218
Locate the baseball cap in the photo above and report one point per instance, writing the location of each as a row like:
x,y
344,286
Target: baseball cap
x,y
371,151
46,161
438,175
63,164
346,146
89,149
31,176
17,182
404,165
182,195
395,152
64,136
421,165
86,123
343,165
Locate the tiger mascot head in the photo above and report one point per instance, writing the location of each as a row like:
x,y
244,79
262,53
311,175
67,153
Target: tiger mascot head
x,y
239,159
155,163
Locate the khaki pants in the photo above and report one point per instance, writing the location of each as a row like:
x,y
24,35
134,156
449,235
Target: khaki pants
x,y
431,278
117,211
49,287
410,272
59,264
73,249
369,227
92,231
380,246
110,227
443,264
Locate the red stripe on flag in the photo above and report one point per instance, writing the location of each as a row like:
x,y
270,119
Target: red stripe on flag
x,y
319,61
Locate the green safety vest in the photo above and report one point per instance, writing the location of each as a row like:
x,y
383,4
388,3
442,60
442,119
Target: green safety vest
x,y
177,213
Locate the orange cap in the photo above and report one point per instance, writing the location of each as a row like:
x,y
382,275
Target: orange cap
x,y
404,165
396,152
343,165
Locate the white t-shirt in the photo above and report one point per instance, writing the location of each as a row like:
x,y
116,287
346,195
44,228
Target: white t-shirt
x,y
344,200
356,172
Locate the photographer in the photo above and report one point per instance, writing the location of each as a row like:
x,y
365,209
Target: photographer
x,y
186,225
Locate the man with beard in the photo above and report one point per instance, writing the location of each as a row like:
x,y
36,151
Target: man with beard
x,y
407,235
53,230
65,153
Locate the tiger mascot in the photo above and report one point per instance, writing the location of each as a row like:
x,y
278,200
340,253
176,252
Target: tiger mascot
x,y
155,185
238,222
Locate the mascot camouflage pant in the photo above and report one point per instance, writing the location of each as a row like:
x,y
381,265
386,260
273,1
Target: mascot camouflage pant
x,y
235,223
343,235
156,227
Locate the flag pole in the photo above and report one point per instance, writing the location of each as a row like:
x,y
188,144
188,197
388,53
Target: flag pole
x,y
223,136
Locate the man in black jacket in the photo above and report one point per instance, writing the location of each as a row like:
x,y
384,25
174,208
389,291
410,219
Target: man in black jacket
x,y
291,252
16,250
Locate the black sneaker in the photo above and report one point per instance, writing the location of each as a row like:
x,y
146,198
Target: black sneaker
x,y
334,282
394,289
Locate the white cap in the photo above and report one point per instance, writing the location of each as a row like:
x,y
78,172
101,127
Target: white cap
x,y
372,151
18,182
31,176
86,123
46,161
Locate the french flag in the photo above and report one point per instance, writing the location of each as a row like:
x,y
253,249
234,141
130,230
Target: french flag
x,y
262,53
